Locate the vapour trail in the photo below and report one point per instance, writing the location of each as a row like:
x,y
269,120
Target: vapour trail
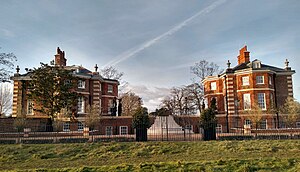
x,y
133,51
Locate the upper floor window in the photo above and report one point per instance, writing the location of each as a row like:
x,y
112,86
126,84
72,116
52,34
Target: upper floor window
x,y
270,80
110,89
213,86
81,84
247,122
80,106
247,101
245,80
261,101
29,107
256,64
260,80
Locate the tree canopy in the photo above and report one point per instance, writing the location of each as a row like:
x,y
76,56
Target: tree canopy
x,y
53,88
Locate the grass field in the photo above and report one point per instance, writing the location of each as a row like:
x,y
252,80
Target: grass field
x,y
255,155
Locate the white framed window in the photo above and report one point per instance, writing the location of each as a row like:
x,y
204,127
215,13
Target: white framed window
x,y
219,128
247,122
245,80
66,126
261,101
260,80
80,126
81,84
110,105
257,65
213,86
80,106
270,80
108,130
247,101
110,89
263,124
30,107
123,130
297,124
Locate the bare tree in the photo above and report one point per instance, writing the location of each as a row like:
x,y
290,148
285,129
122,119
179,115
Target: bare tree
x,y
290,111
6,65
195,95
5,99
255,115
112,73
203,69
130,103
92,117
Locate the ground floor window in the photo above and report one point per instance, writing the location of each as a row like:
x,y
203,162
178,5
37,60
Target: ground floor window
x,y
80,126
123,130
297,124
189,127
66,126
108,130
219,128
263,124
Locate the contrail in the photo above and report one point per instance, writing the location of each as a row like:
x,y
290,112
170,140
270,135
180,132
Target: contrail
x,y
133,51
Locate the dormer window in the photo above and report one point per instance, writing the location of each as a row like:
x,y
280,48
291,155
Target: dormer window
x,y
213,86
256,64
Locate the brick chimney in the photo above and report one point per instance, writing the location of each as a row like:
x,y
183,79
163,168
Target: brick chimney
x,y
244,56
60,59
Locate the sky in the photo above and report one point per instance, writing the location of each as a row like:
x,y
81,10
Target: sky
x,y
153,42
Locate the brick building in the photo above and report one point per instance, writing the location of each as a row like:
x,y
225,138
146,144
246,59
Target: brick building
x,y
93,88
250,82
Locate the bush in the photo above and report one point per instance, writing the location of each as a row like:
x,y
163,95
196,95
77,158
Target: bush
x,y
37,141
73,140
7,141
237,137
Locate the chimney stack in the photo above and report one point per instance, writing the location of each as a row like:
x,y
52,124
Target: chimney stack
x,y
60,59
244,56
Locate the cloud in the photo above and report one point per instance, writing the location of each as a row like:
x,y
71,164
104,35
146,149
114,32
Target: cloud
x,y
133,51
151,96
7,33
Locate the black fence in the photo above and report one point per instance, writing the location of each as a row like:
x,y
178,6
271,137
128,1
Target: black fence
x,y
121,130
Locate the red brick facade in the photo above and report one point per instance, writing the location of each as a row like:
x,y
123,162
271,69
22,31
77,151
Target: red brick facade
x,y
248,83
91,85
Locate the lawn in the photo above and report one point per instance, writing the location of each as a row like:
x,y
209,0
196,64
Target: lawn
x,y
254,155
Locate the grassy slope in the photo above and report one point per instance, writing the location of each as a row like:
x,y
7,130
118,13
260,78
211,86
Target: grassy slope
x,y
264,155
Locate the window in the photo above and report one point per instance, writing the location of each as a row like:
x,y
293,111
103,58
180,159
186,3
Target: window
x,y
80,126
247,101
189,127
270,80
110,89
29,107
108,130
245,80
225,103
110,105
261,101
213,86
297,124
66,126
256,64
80,105
123,130
247,122
260,80
263,124
219,128
271,100
81,84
